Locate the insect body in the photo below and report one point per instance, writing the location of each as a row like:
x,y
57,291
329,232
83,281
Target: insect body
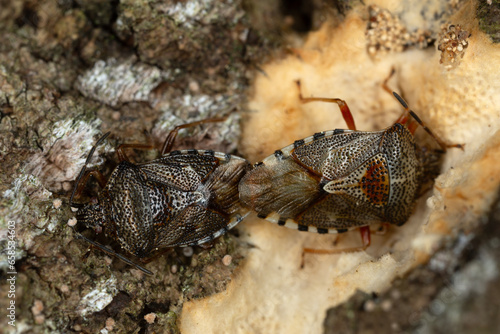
x,y
183,198
341,179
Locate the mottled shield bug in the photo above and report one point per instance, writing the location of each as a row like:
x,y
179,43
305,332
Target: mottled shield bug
x,y
337,180
183,198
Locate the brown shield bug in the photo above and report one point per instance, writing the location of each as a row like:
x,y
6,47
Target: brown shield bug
x,y
337,180
183,198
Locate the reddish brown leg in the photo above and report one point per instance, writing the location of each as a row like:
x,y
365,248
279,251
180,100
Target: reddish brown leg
x,y
169,142
365,238
120,151
122,156
344,109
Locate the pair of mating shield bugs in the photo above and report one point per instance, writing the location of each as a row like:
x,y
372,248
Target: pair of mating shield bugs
x,y
330,182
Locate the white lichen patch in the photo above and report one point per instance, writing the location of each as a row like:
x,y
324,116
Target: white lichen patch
x,y
65,152
193,12
174,112
25,188
22,186
97,299
177,112
184,12
115,82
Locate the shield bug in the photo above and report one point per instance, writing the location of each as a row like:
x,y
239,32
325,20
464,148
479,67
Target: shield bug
x,y
338,180
183,198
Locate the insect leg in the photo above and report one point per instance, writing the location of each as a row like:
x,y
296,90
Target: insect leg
x,y
169,141
365,237
405,118
344,109
120,151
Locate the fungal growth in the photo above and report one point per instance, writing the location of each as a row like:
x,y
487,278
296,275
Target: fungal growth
x,y
453,44
386,33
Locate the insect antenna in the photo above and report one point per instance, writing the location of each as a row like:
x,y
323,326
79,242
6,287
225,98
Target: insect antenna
x,y
111,252
441,143
83,170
